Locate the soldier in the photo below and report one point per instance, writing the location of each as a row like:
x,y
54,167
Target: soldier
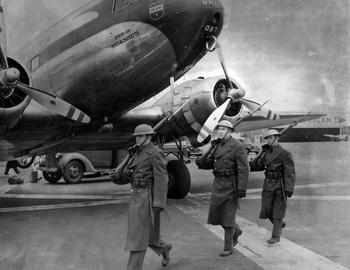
x,y
278,184
228,159
145,168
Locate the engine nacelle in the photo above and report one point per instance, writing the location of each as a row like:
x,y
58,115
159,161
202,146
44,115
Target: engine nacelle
x,y
13,103
200,97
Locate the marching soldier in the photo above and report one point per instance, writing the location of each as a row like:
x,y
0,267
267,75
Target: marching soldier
x,y
278,184
145,168
228,159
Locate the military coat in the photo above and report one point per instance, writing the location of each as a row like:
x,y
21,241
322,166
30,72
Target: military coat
x,y
279,170
149,166
230,167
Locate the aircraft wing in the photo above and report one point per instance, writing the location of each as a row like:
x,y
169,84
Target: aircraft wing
x,y
183,121
258,122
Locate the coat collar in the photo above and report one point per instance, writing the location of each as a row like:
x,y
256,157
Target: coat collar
x,y
145,154
229,145
276,152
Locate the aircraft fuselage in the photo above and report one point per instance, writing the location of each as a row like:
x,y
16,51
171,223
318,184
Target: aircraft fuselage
x,y
107,57
106,62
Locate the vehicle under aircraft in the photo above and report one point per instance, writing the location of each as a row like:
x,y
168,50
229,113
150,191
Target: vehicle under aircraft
x,y
82,83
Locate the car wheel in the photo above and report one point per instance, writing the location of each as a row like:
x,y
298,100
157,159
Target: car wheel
x,y
73,172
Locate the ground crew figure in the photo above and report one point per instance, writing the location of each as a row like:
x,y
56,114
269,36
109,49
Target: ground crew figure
x,y
228,159
11,164
278,184
145,169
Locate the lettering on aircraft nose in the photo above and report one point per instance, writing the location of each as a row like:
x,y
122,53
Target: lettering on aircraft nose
x,y
123,39
156,9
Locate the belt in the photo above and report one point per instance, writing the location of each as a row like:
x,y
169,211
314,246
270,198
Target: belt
x,y
223,173
141,183
272,180
273,175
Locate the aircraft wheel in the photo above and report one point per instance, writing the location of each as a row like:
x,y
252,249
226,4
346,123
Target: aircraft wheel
x,y
73,172
52,177
179,179
25,163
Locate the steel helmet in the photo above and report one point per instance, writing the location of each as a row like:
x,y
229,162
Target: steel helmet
x,y
143,129
271,132
225,123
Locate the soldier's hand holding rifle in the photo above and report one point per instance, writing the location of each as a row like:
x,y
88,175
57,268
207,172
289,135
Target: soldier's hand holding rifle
x,y
241,194
288,193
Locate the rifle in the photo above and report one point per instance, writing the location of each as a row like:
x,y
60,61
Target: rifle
x,y
262,154
121,175
294,123
248,115
284,195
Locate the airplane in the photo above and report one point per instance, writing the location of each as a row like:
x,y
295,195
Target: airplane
x,y
82,83
337,138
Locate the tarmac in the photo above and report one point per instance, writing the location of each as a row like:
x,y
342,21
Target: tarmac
x,y
45,226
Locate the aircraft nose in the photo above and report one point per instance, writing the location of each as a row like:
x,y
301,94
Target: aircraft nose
x,y
214,17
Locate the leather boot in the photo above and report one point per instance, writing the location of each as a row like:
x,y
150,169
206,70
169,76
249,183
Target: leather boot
x,y
228,250
273,240
166,254
276,231
238,233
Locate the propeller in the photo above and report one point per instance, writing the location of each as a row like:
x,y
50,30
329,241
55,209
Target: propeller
x,y
3,38
234,95
9,80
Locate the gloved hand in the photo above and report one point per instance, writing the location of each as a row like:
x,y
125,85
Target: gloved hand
x,y
266,147
215,142
288,193
241,193
133,150
157,209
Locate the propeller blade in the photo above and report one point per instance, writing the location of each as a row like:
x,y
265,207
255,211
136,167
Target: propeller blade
x,y
254,107
212,121
3,38
54,104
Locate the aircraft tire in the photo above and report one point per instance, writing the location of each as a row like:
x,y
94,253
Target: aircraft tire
x,y
73,172
179,179
24,163
52,177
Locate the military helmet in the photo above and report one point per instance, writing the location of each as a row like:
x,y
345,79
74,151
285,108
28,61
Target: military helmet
x,y
271,132
225,123
143,129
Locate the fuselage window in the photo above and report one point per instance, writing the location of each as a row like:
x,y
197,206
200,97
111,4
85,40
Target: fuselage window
x,y
35,63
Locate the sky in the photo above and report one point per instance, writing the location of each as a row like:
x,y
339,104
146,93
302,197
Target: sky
x,y
294,53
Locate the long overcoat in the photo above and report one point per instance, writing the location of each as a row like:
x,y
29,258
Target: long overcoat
x,y
273,204
143,223
230,157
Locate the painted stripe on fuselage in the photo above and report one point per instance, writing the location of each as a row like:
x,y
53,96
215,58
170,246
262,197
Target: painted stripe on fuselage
x,y
70,112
